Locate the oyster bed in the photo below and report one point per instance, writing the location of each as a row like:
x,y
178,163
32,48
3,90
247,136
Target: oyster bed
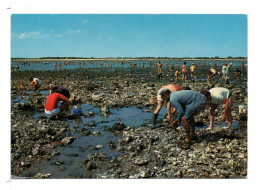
x,y
125,150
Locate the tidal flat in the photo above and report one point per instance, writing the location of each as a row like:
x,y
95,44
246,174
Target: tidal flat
x,y
113,137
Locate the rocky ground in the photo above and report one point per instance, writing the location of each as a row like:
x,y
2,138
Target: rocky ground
x,y
146,152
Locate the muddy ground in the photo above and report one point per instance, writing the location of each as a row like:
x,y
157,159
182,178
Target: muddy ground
x,y
145,152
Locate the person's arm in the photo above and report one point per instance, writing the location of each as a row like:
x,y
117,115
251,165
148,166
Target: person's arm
x,y
229,66
179,110
33,84
63,98
169,110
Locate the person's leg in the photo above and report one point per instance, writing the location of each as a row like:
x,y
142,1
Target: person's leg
x,y
228,106
64,106
156,111
212,108
36,87
192,126
229,115
187,129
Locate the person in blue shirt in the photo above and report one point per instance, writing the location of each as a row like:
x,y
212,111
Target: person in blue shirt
x,y
187,104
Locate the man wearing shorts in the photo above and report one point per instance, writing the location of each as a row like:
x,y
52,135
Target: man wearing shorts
x,y
159,69
192,72
51,107
220,96
187,103
184,72
160,100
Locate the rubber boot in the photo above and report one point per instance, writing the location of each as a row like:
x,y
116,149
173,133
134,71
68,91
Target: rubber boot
x,y
154,119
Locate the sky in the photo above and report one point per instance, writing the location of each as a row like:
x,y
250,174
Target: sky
x,y
128,35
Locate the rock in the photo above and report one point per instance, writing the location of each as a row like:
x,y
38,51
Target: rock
x,y
143,174
111,145
62,168
140,161
104,110
97,97
67,141
41,176
96,133
99,146
83,131
89,165
119,126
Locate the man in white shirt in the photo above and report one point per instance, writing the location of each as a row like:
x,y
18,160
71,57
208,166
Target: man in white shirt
x,y
220,96
35,83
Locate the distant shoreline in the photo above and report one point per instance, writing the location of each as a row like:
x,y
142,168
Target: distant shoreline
x,y
124,59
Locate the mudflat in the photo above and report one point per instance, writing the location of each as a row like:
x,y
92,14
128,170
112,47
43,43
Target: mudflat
x,y
138,152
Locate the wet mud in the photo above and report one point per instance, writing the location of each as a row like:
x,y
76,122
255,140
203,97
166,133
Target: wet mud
x,y
113,137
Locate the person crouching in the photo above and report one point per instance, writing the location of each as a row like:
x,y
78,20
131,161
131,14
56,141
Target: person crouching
x,y
53,100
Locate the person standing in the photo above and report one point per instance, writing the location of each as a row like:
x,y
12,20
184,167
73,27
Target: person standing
x,y
159,69
225,70
192,72
184,72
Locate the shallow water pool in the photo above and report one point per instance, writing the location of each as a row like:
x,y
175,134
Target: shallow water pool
x,y
73,157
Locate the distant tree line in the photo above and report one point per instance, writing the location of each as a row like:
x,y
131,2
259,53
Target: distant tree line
x,y
216,57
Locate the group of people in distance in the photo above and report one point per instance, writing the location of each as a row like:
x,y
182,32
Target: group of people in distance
x,y
188,103
211,74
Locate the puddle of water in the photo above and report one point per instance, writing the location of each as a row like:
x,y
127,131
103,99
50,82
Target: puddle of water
x,y
74,155
44,92
131,93
19,100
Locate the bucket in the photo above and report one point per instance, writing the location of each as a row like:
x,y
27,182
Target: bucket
x,y
153,100
76,111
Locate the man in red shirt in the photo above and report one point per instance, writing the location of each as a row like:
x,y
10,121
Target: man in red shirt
x,y
51,107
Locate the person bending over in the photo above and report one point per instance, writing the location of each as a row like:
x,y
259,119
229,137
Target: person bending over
x,y
52,108
160,101
187,103
218,96
212,73
35,83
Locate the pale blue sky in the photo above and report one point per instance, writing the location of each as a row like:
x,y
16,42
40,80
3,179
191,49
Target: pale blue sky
x,y
128,35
